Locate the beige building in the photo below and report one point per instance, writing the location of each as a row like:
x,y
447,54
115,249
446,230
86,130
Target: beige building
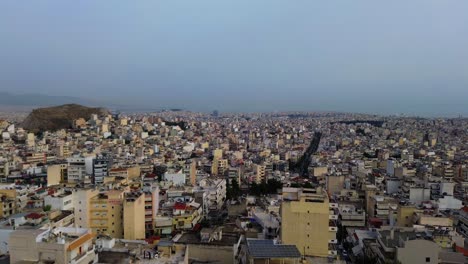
x,y
60,245
7,202
126,173
308,221
335,183
320,171
134,215
82,206
418,251
56,174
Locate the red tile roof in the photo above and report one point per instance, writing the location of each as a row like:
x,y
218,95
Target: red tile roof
x,y
34,216
180,206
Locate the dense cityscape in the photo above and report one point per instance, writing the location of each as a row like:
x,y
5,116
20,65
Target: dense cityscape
x,y
176,186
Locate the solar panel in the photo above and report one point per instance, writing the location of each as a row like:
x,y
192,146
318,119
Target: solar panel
x,y
262,248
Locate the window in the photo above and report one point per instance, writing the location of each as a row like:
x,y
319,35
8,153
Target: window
x,y
428,259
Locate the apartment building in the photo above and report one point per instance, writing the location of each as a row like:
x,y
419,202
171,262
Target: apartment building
x,y
259,173
76,169
60,201
309,221
61,245
101,167
214,193
56,174
82,206
8,202
4,170
106,213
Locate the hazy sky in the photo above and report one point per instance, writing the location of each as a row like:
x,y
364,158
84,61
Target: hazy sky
x,y
242,55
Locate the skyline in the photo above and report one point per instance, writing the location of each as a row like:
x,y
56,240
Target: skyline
x,y
242,57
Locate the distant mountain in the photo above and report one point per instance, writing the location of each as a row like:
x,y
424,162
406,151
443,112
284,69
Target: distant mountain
x,y
35,100
58,117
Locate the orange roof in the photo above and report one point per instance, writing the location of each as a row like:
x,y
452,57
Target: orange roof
x,y
78,242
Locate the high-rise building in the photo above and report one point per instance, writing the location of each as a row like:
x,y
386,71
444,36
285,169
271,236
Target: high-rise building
x,y
151,207
308,221
101,167
82,206
106,213
134,215
76,169
259,173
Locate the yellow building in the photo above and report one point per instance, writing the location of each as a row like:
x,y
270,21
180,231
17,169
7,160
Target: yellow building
x,y
259,173
219,166
308,221
185,216
106,213
217,154
405,215
134,215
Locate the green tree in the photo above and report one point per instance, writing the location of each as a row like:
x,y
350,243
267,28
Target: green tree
x,y
233,191
159,171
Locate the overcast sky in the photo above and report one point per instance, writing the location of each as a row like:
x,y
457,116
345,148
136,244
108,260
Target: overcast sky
x,y
242,55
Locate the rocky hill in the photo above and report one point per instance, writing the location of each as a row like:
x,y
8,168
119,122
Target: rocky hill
x,y
58,117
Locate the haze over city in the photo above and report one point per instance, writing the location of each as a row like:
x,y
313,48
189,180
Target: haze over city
x,y
356,56
234,132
